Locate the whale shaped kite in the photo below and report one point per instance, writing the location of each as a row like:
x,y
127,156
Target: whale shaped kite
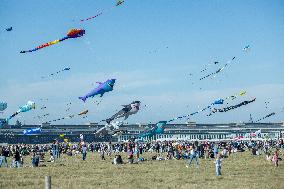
x,y
107,86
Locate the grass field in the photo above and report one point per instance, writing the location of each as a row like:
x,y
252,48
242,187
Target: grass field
x,y
239,171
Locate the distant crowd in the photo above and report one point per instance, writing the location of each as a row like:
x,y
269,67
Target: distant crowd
x,y
160,150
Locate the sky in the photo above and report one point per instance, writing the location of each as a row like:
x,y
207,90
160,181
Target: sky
x,y
155,49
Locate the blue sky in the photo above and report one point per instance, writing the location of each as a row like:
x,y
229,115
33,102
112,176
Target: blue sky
x,y
182,37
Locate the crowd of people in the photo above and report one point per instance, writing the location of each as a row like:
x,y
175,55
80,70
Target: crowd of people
x,y
160,150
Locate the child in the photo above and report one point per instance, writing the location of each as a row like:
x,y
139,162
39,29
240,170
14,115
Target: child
x,y
275,159
218,163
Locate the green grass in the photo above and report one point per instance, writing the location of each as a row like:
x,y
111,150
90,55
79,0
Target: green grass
x,y
239,171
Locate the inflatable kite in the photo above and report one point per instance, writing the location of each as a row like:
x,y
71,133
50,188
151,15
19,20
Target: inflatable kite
x,y
73,33
32,131
50,75
271,114
100,90
157,129
125,112
118,3
29,106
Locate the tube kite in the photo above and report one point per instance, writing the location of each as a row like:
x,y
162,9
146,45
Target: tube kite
x,y
73,33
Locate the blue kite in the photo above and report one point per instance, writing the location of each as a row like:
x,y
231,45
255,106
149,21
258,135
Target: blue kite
x,y
159,128
104,87
32,131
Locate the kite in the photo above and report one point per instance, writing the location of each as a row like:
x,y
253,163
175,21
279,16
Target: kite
x,y
29,106
233,107
9,29
207,65
32,131
125,112
73,33
271,114
157,50
216,102
84,112
246,48
44,107
50,75
100,90
266,104
118,3
157,129
219,70
39,117
67,117
3,106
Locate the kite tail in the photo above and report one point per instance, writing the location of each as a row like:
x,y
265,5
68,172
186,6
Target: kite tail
x,y
84,98
46,45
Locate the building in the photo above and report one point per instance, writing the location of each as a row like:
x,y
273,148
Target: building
x,y
208,131
190,131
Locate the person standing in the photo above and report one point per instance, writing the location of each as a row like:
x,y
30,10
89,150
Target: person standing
x,y
215,150
3,156
275,159
218,164
17,159
84,152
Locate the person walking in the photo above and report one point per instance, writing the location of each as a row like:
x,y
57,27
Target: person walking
x,y
193,156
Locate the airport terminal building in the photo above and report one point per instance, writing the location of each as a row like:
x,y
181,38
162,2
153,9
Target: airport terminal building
x,y
190,131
